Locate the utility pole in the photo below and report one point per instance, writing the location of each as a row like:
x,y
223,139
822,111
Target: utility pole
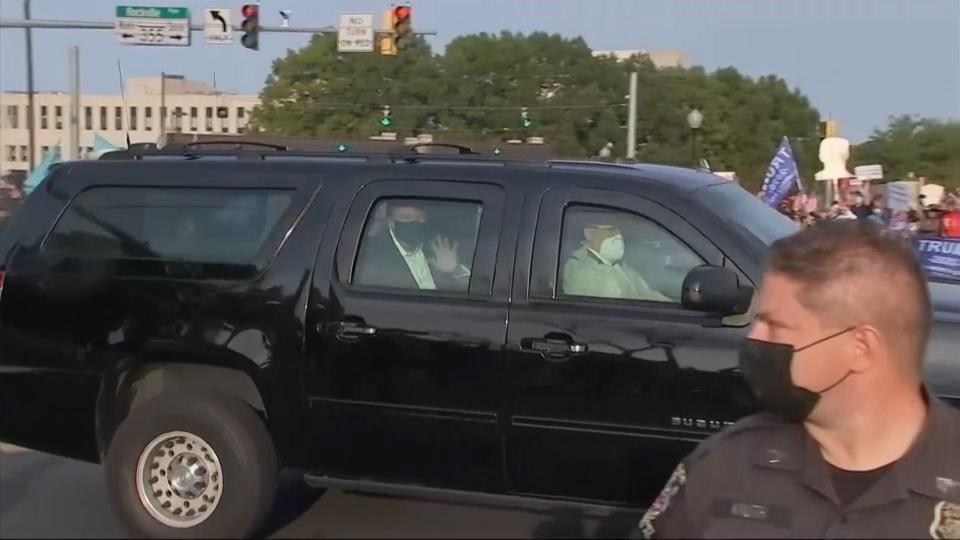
x,y
31,118
73,132
632,118
163,108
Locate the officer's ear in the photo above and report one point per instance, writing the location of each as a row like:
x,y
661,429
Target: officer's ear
x,y
870,345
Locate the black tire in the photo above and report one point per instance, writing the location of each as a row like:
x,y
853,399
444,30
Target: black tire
x,y
235,433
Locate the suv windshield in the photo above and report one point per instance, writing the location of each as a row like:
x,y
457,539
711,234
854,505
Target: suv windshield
x,y
734,204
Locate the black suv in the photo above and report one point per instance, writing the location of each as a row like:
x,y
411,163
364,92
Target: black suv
x,y
405,323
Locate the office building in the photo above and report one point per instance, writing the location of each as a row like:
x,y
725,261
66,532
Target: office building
x,y
188,107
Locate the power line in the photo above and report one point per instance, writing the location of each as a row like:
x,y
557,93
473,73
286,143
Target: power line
x,y
468,107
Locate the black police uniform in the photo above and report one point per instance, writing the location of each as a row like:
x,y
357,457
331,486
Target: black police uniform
x,y
765,478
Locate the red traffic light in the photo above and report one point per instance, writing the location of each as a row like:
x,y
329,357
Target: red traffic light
x,y
249,10
402,13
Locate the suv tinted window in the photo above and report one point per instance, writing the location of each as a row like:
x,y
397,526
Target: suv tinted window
x,y
753,216
419,244
181,224
613,254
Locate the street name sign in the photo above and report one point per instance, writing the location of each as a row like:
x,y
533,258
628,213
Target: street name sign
x,y
216,26
150,25
355,33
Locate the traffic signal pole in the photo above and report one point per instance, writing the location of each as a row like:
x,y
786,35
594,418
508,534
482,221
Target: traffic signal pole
x,y
100,25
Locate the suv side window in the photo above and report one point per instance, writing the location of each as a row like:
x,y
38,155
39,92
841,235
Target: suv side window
x,y
419,244
615,254
229,226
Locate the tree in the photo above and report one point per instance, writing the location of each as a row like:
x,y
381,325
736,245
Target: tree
x,y
927,147
317,91
575,101
477,90
744,120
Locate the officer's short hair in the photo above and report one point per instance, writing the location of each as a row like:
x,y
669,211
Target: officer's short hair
x,y
856,272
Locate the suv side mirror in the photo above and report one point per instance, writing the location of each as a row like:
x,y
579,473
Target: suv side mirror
x,y
710,288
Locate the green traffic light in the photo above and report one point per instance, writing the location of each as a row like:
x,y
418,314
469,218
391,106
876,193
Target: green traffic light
x,y
497,151
343,148
526,122
386,121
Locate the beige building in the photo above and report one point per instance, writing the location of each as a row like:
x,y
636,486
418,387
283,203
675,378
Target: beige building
x,y
191,107
661,58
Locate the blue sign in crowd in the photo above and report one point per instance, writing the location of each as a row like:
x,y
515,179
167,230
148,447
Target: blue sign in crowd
x,y
940,257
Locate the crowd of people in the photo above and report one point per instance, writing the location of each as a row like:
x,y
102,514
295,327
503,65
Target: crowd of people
x,y
941,219
11,197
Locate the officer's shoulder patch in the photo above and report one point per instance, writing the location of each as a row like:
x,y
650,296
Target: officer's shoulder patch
x,y
662,502
946,520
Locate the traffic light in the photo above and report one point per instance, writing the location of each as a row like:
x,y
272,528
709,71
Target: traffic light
x,y
250,26
342,147
525,121
827,128
402,27
387,45
385,119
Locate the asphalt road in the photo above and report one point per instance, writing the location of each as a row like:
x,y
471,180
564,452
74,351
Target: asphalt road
x,y
43,496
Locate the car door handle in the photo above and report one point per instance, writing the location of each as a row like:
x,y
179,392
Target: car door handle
x,y
352,330
553,347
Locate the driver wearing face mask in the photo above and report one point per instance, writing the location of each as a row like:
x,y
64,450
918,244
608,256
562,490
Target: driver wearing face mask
x,y
850,442
597,268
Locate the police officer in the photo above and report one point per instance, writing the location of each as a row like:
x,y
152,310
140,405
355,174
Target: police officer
x,y
850,443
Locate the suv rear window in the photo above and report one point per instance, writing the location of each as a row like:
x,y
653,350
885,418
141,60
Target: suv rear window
x,y
227,226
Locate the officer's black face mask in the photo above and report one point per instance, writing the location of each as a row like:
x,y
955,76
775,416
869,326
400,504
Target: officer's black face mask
x,y
766,368
412,233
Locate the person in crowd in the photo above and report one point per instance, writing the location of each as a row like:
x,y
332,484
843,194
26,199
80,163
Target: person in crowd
x,y
834,209
597,268
845,212
861,209
928,223
878,213
398,257
11,197
950,221
850,443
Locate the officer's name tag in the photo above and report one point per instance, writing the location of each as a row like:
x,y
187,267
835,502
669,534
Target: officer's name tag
x,y
773,515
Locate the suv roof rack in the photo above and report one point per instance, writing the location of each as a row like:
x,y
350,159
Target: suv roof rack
x,y
402,153
237,144
588,163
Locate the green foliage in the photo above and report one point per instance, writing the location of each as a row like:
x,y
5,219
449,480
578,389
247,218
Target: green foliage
x,y
317,92
927,147
476,89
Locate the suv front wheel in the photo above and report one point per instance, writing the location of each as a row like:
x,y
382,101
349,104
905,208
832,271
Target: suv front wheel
x,y
197,466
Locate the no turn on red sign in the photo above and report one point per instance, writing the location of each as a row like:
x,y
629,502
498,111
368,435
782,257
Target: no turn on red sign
x,y
355,33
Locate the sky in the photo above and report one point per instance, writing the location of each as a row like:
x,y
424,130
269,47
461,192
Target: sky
x,y
859,61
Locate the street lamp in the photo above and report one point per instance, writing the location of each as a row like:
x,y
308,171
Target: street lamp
x,y
694,120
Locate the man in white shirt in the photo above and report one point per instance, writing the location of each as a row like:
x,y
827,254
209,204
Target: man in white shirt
x,y
397,258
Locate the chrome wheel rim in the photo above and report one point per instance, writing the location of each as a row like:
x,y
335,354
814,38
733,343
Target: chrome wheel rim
x,y
179,479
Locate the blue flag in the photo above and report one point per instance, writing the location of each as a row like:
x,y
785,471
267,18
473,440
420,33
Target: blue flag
x,y
101,145
49,158
781,174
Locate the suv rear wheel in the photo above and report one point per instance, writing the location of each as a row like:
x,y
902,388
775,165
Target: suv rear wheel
x,y
198,466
